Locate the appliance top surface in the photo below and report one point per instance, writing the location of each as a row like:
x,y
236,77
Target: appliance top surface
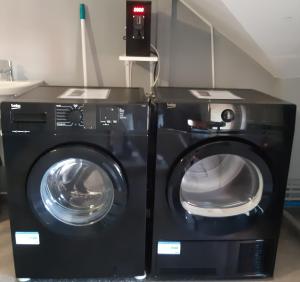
x,y
204,95
64,94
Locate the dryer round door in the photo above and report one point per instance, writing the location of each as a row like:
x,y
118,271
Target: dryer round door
x,y
76,186
220,179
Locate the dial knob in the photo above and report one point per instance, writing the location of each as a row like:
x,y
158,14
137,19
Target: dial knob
x,y
75,116
228,115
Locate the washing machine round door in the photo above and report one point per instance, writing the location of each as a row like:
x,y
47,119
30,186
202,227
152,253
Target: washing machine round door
x,y
76,186
77,191
220,179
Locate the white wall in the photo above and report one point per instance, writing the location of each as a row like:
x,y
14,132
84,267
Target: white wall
x,y
289,89
42,38
188,62
234,68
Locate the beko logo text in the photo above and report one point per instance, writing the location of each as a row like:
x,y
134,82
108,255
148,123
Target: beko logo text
x,y
15,106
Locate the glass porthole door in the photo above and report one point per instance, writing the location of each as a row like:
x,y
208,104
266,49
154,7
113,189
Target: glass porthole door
x,y
76,186
221,185
77,191
220,179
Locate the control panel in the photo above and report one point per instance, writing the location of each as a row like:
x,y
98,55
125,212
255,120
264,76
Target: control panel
x,y
109,116
208,117
24,118
88,116
69,115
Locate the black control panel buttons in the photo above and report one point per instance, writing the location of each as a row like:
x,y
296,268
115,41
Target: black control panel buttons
x,y
228,115
109,116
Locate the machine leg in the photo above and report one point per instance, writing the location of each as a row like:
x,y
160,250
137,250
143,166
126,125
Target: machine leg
x,y
141,277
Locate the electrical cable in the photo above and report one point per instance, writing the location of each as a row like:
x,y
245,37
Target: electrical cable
x,y
157,66
155,70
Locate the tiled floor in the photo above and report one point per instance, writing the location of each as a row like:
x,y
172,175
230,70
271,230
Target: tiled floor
x,y
287,266
6,261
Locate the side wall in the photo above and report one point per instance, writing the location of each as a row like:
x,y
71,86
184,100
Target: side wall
x,y
289,89
42,38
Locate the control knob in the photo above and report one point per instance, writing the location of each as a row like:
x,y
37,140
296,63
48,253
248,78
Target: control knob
x,y
75,116
228,115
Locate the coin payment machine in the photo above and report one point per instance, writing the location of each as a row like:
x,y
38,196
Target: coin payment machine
x,y
138,28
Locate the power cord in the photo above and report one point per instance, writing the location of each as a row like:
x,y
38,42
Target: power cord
x,y
157,66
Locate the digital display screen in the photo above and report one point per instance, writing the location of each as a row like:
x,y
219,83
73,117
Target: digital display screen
x,y
138,10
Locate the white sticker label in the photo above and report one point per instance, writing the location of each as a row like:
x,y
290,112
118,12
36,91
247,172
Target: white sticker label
x,y
27,238
214,95
81,93
168,248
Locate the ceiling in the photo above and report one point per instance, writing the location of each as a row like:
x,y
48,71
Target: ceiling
x,y
267,30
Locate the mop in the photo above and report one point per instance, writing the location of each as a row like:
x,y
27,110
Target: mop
x,y
83,44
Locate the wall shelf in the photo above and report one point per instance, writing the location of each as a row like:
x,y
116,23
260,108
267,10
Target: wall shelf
x,y
128,62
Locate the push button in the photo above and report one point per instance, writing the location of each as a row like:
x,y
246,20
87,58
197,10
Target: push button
x,y
227,115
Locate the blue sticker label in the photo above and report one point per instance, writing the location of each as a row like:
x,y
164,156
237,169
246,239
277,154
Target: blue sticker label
x,y
168,248
27,238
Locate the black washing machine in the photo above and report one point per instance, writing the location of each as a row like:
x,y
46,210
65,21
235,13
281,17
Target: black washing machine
x,y
222,160
76,161
3,186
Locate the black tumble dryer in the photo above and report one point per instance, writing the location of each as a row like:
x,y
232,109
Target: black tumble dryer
x,y
76,162
221,170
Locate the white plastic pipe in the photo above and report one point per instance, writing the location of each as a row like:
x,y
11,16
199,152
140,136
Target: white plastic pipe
x,y
83,44
212,45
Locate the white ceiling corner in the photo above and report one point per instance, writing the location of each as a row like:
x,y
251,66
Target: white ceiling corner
x,y
267,30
